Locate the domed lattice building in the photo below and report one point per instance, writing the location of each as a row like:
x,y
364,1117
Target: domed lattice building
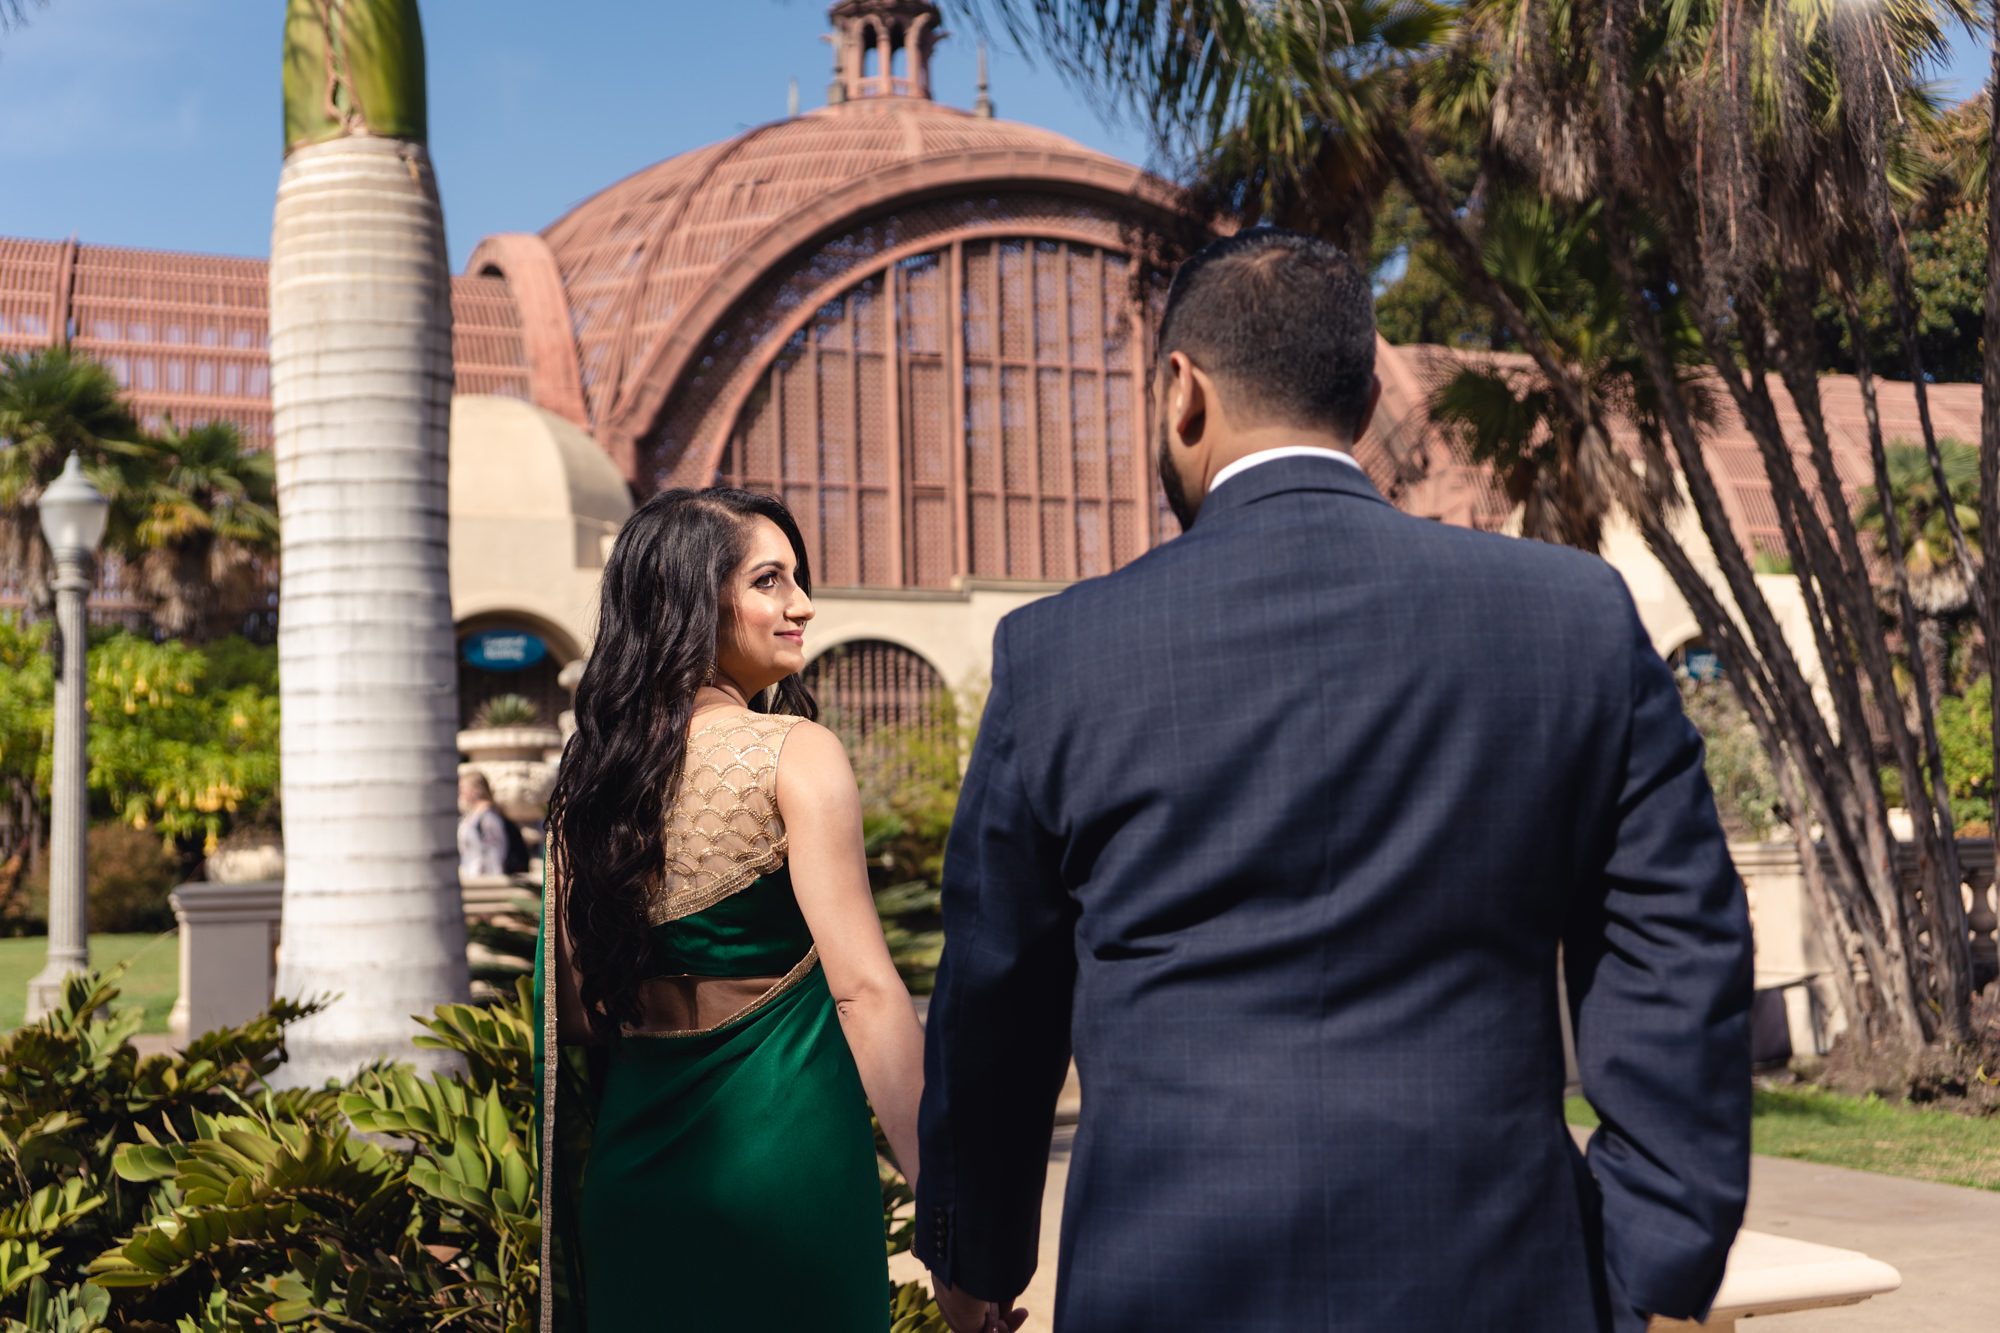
x,y
924,327
887,309
921,326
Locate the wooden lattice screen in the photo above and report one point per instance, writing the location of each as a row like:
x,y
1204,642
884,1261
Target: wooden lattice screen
x,y
1013,448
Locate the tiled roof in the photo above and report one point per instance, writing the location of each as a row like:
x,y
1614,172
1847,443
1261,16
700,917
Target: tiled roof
x,y
187,335
1452,488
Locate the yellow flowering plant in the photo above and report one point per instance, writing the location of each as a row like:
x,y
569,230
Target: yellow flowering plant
x,y
183,740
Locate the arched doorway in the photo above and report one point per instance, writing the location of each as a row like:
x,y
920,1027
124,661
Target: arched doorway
x,y
891,707
501,654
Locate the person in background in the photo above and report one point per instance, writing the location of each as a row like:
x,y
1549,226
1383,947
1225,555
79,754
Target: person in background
x,y
482,830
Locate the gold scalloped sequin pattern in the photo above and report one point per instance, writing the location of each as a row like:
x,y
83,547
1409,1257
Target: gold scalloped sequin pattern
x,y
723,830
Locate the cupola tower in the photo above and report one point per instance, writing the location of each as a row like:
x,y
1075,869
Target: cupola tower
x,y
882,48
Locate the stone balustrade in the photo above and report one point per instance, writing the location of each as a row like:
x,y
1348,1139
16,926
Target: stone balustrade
x,y
1790,958
1975,863
229,935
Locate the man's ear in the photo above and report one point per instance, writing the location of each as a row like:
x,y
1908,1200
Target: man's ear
x,y
1187,401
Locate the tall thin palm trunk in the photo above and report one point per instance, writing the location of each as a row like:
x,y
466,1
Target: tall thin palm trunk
x,y
361,381
1989,396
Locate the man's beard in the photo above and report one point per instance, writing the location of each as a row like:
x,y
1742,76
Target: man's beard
x,y
1170,482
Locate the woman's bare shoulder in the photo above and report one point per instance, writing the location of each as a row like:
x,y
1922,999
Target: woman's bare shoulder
x,y
813,762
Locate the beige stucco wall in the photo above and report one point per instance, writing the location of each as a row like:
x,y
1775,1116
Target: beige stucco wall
x,y
952,629
534,505
1665,613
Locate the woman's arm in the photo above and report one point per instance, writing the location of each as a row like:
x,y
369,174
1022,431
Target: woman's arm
x,y
822,813
572,1027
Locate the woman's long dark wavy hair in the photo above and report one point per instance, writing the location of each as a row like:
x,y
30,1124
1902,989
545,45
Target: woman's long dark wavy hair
x,y
658,618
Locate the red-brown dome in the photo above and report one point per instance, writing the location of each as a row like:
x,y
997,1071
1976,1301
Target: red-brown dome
x,y
646,267
634,256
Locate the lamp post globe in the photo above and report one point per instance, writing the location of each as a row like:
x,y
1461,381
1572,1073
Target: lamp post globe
x,y
73,514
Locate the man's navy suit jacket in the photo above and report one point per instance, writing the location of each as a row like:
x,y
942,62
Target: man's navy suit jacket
x,y
1280,828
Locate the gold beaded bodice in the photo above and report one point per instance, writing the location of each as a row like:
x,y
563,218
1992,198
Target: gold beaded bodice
x,y
723,829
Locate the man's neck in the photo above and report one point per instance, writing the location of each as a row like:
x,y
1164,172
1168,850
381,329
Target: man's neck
x,y
1274,445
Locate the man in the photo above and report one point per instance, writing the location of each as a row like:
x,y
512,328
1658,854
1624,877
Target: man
x,y
1283,825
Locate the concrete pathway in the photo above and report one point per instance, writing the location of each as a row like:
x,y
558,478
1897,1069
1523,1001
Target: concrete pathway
x,y
1944,1239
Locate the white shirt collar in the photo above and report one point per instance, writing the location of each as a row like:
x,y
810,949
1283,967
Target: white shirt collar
x,y
1248,461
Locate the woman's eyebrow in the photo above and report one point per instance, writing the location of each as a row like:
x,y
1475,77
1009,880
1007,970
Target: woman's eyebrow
x,y
762,566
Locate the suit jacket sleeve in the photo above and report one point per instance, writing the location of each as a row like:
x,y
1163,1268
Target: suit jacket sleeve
x,y
996,1044
1658,959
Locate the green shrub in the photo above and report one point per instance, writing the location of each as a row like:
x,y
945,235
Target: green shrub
x,y
1739,771
507,710
74,1095
180,1192
909,779
128,878
276,1213
183,740
1965,736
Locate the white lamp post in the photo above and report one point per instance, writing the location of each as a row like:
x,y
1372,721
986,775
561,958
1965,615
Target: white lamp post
x,y
73,514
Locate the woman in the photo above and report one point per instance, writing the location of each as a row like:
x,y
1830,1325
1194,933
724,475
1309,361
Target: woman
x,y
711,933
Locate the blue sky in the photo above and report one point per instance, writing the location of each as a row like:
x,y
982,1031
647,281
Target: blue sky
x,y
156,122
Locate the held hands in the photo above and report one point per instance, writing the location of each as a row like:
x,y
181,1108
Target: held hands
x,y
969,1314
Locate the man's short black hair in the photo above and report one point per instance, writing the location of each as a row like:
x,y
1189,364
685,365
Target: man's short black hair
x,y
1284,320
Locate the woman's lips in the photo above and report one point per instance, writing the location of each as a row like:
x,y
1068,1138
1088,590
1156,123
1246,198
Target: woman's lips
x,y
797,636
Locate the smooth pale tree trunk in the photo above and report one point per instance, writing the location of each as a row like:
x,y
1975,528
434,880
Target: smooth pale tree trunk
x,y
361,381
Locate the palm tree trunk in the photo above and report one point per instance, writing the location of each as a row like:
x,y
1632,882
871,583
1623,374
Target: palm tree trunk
x,y
1864,876
1989,400
361,380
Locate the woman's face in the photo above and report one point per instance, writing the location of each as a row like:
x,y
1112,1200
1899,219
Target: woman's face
x,y
764,613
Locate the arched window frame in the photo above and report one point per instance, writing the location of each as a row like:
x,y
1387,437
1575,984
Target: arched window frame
x,y
887,272
900,715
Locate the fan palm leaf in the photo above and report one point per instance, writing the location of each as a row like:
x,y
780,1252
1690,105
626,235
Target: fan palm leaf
x,y
54,403
209,530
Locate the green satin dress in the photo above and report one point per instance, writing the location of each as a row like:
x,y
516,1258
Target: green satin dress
x,y
730,1183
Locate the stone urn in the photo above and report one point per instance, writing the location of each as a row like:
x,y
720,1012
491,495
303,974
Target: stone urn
x,y
514,762
252,864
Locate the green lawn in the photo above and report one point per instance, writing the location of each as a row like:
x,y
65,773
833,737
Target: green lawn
x,y
1866,1135
153,981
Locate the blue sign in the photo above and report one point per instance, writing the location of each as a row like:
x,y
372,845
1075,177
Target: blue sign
x,y
503,649
1704,665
